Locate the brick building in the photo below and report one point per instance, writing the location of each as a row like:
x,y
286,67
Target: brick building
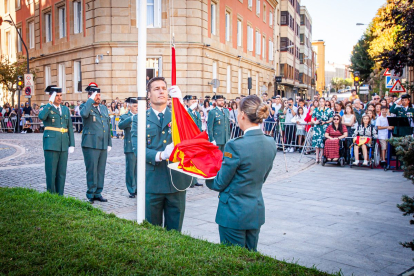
x,y
72,43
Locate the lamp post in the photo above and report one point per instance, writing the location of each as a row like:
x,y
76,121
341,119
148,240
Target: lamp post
x,y
11,22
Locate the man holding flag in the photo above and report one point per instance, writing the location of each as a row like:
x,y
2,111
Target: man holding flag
x,y
164,189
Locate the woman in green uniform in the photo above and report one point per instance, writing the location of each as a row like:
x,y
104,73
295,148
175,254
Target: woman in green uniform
x,y
241,211
322,116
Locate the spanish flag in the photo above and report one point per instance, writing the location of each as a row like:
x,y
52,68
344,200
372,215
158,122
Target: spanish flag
x,y
359,140
193,151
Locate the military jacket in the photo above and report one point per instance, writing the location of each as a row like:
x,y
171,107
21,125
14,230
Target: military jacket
x,y
241,178
401,112
158,175
218,126
196,118
96,126
57,140
125,123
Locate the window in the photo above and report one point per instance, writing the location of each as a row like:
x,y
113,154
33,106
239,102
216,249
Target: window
x,y
47,76
258,7
228,89
239,33
18,5
214,74
270,50
250,4
31,35
77,17
48,27
77,76
213,18
154,13
264,13
62,77
249,38
283,44
270,18
264,47
302,19
227,26
284,18
19,40
9,44
301,58
258,39
239,84
62,22
302,40
6,6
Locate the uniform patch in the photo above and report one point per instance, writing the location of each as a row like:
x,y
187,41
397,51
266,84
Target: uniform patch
x,y
228,154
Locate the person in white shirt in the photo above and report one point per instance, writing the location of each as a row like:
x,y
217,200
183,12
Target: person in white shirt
x,y
383,127
290,112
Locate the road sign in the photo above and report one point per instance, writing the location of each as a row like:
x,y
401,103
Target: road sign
x,y
363,90
28,91
28,97
389,82
387,73
28,80
397,88
278,78
393,75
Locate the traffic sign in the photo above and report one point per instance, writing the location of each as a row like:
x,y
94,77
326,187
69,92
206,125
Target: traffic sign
x,y
28,80
393,75
389,82
387,73
397,88
28,97
278,78
28,91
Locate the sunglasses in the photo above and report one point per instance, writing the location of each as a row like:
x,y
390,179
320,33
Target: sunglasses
x,y
336,119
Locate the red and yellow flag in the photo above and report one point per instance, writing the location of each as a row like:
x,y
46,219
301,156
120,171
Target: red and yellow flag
x,y
359,140
192,150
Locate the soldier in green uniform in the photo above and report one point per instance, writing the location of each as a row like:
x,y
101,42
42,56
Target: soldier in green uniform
x,y
58,140
96,142
403,108
162,199
241,210
195,115
218,124
125,123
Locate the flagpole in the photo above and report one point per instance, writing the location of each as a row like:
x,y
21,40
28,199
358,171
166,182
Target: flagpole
x,y
142,106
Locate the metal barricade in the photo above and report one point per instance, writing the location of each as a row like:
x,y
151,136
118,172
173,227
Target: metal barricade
x,y
8,124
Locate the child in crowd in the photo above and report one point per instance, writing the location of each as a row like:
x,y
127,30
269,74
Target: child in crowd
x,y
383,127
203,120
299,120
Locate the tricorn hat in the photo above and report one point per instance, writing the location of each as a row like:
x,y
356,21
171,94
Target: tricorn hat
x,y
217,97
405,96
53,88
92,87
131,100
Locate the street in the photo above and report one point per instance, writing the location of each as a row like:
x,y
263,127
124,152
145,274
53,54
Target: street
x,y
331,217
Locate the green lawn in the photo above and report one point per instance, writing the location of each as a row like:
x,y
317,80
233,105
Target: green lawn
x,y
46,234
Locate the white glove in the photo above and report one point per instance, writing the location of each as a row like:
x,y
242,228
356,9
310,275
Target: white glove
x,y
167,152
214,143
175,92
52,97
71,149
193,106
93,95
109,147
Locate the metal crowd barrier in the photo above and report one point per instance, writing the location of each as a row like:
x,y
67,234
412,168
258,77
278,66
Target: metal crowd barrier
x,y
8,124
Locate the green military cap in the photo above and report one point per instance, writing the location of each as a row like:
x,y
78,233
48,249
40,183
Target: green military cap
x,y
218,97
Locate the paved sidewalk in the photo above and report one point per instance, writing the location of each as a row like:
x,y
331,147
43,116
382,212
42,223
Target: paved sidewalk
x,y
331,217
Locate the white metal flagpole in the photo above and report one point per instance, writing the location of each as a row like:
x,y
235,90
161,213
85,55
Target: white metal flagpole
x,y
142,106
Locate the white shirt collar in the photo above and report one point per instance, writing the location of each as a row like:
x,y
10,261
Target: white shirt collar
x,y
220,108
157,112
56,106
251,128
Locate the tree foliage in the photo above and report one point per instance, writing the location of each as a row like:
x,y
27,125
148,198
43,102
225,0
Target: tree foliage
x,y
399,18
360,59
339,83
9,72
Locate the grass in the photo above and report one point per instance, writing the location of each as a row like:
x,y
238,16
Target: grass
x,y
44,234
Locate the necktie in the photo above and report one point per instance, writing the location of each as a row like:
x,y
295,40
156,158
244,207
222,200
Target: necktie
x,y
161,116
60,112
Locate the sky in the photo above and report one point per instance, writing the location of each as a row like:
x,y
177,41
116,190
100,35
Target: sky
x,y
334,21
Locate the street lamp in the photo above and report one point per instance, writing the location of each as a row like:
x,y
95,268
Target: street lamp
x,y
11,22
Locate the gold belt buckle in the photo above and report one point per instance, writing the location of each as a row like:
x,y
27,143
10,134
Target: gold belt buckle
x,y
62,130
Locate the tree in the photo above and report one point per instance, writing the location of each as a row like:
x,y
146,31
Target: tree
x,y
360,59
9,72
400,18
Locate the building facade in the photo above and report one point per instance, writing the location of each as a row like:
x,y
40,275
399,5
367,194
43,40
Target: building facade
x,y
306,55
72,43
319,48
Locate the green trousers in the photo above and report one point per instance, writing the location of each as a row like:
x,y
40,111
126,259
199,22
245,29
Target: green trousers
x,y
95,163
169,206
55,166
243,238
131,172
